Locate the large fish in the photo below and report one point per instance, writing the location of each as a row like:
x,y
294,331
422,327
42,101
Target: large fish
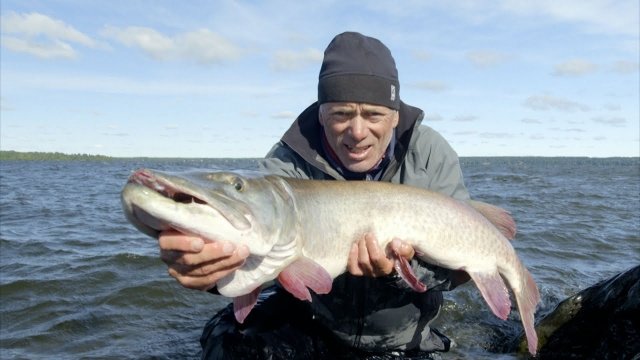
x,y
300,232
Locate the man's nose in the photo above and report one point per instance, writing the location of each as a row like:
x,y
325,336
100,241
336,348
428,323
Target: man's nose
x,y
358,127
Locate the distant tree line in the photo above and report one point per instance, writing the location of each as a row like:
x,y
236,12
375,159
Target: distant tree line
x,y
16,155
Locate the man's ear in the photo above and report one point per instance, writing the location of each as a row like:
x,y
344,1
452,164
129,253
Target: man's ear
x,y
396,118
320,117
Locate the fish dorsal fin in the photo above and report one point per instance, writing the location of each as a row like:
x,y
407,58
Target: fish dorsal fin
x,y
499,217
302,275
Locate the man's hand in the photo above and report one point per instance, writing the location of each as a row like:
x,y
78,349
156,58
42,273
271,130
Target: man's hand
x,y
368,259
197,264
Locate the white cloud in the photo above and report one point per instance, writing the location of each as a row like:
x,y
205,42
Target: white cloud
x,y
574,67
598,16
612,121
495,135
4,106
433,85
207,47
124,85
35,24
626,67
44,50
548,102
612,107
291,60
486,58
603,16
433,117
287,115
202,46
41,36
464,118
422,55
148,40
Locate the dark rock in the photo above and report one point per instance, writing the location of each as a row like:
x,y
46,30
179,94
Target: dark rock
x,y
599,322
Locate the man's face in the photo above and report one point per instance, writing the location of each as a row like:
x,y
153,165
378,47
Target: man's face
x,y
358,133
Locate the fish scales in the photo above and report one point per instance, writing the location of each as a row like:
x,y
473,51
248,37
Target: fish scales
x,y
334,216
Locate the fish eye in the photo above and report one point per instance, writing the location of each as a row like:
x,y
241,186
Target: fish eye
x,y
238,184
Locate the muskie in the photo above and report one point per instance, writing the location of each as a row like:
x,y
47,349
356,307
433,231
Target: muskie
x,y
300,232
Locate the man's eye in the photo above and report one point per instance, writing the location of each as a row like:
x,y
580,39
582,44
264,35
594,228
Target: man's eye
x,y
375,117
339,116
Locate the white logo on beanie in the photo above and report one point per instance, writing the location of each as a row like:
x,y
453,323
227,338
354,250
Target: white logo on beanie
x,y
393,93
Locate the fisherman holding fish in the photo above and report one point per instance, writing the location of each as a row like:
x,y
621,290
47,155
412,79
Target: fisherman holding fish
x,y
359,129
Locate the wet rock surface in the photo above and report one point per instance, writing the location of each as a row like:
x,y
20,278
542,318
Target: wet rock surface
x,y
599,322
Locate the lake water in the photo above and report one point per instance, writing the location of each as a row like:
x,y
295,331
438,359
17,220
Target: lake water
x,y
77,281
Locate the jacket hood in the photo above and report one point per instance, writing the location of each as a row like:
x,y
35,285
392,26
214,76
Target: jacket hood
x,y
304,138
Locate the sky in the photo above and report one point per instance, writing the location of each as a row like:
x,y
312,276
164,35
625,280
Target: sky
x,y
216,79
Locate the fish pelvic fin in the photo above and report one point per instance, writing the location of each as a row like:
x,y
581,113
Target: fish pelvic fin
x,y
242,305
527,300
499,217
494,291
302,275
404,270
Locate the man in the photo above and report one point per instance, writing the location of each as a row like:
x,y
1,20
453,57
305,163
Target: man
x,y
359,129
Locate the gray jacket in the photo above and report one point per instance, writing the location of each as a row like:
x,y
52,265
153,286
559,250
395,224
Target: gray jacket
x,y
383,313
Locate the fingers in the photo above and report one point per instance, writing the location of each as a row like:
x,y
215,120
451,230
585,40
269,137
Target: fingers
x,y
176,247
367,258
197,264
402,249
204,276
352,264
174,240
379,264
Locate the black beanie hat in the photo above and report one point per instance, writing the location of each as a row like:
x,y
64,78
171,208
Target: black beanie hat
x,y
358,68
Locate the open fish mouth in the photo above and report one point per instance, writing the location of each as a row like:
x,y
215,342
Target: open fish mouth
x,y
149,201
165,187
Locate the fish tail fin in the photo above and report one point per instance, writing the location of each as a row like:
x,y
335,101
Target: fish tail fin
x,y
527,300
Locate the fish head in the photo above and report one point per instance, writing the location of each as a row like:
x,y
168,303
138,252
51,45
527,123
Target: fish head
x,y
244,209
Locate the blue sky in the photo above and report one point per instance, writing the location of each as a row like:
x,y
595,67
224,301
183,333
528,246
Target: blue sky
x,y
226,78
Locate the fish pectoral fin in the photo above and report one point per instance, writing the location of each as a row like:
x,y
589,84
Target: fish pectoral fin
x,y
302,274
404,270
494,291
499,217
242,305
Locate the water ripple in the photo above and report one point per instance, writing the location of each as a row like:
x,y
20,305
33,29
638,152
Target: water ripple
x,y
79,282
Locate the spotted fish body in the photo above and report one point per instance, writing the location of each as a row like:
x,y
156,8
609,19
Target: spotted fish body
x,y
300,231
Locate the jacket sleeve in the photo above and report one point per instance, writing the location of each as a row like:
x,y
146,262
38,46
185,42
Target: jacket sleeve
x,y
431,163
282,161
